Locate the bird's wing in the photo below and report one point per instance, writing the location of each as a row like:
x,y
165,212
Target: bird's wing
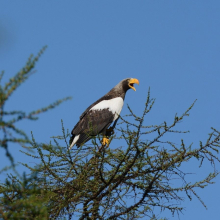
x,y
94,122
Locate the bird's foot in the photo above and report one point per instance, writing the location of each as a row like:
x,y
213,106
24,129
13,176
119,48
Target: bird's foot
x,y
105,141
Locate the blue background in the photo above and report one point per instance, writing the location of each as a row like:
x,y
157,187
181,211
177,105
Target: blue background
x,y
173,47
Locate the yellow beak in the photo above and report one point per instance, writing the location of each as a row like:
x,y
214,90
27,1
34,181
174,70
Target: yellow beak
x,y
131,83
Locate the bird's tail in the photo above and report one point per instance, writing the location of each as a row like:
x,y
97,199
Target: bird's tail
x,y
79,139
74,138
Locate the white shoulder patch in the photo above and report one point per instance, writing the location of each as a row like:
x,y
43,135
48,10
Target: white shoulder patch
x,y
114,105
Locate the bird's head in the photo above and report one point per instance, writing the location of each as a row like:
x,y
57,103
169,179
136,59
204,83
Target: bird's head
x,y
129,83
126,84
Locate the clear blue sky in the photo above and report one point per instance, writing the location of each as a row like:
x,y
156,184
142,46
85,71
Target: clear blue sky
x,y
171,46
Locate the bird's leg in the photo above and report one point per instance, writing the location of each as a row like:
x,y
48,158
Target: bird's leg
x,y
110,131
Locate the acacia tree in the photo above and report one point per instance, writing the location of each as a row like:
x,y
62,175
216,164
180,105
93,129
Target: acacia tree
x,y
134,177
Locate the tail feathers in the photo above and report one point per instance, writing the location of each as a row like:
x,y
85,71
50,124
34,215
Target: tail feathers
x,y
78,140
73,140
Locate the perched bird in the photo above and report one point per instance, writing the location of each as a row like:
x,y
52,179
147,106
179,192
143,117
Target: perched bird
x,y
98,117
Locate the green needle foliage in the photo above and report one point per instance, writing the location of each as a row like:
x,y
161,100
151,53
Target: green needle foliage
x,y
21,197
9,131
137,176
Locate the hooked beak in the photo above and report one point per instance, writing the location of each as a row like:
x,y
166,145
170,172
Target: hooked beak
x,y
132,82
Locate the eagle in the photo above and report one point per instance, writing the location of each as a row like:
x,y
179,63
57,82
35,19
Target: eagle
x,y
97,118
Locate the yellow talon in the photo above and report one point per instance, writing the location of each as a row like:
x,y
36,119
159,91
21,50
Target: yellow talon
x,y
105,141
